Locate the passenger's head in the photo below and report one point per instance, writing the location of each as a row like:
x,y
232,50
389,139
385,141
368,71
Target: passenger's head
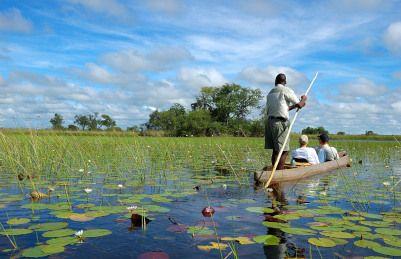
x,y
281,79
323,138
303,140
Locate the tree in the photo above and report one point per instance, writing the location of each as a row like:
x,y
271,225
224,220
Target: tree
x,y
94,121
197,123
82,121
370,133
57,122
230,101
107,121
311,131
72,127
341,133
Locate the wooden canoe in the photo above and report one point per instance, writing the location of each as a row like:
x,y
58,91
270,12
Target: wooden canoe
x,y
300,172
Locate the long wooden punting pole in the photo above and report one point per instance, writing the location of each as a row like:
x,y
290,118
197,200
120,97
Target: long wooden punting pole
x,y
288,135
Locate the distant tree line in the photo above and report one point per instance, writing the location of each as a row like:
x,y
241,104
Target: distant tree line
x,y
216,111
85,122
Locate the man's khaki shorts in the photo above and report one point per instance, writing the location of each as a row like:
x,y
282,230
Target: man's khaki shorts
x,y
275,132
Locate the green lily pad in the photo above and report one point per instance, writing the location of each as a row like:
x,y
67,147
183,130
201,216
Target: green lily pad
x,y
33,252
388,231
259,210
49,226
393,241
298,231
96,232
339,241
52,249
337,234
275,224
199,230
286,217
366,243
59,233
323,242
387,250
16,232
267,240
375,223
62,241
18,221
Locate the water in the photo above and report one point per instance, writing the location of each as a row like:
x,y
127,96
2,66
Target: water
x,y
179,204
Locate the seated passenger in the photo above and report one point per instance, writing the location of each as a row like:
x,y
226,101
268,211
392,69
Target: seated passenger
x,y
304,153
326,152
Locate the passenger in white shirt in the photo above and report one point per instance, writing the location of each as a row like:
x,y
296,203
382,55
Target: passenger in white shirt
x,y
304,153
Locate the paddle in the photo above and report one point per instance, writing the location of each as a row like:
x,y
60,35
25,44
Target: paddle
x,y
288,135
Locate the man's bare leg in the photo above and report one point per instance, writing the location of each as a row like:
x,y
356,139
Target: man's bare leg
x,y
283,157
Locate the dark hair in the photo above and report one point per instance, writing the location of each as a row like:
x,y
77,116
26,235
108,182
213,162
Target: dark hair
x,y
280,79
324,138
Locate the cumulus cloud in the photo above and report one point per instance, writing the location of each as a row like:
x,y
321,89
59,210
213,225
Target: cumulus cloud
x,y
132,60
199,77
392,37
267,76
361,89
12,20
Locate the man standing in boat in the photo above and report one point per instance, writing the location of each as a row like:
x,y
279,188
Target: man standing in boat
x,y
280,100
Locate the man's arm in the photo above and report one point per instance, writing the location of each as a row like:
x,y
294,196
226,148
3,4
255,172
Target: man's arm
x,y
300,104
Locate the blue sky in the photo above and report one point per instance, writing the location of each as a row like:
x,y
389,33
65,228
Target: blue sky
x,y
128,58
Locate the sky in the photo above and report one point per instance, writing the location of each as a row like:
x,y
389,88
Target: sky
x,y
128,58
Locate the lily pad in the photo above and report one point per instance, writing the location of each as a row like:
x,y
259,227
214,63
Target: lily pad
x,y
213,245
49,226
388,231
267,240
199,230
18,221
322,242
16,232
275,224
337,234
62,241
366,243
393,241
287,217
59,233
387,250
96,232
259,210
80,217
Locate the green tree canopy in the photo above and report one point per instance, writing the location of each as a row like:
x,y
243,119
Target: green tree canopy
x,y
57,122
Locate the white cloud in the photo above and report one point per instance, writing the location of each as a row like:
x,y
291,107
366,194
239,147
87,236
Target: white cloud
x,y
1,80
97,73
12,20
109,7
361,88
397,106
392,37
132,60
267,76
199,77
165,6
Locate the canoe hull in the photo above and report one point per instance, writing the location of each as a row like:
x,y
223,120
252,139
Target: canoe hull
x,y
299,173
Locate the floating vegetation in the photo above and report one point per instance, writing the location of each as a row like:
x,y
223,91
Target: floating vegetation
x,y
183,196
